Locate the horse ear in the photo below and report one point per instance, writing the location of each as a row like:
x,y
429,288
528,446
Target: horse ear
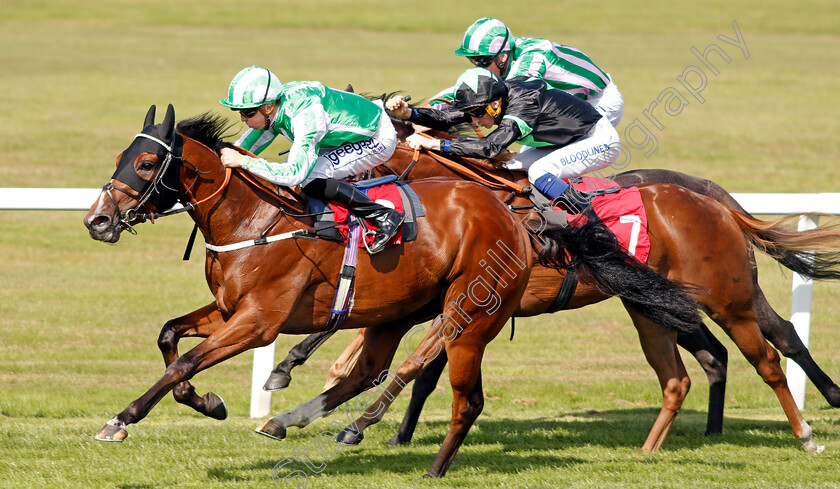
x,y
349,88
169,123
150,117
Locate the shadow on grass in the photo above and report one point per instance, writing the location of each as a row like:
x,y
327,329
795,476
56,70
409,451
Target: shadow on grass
x,y
509,446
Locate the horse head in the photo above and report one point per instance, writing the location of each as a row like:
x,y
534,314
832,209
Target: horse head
x,y
145,181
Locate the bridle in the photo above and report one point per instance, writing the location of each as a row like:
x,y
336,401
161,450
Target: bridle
x,y
150,188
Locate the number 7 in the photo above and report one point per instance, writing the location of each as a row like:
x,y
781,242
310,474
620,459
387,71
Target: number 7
x,y
634,231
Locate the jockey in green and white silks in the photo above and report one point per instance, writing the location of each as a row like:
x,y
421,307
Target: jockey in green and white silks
x,y
488,43
334,135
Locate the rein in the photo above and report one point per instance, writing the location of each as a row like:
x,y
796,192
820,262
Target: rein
x,y
485,178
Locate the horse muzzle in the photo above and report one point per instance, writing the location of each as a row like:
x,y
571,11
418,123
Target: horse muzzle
x,y
103,228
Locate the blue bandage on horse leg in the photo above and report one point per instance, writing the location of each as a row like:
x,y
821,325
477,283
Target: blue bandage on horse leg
x,y
551,186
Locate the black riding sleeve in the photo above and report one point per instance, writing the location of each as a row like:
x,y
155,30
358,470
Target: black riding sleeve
x,y
497,141
441,120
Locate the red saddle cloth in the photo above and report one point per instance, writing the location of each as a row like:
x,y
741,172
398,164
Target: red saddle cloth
x,y
387,195
623,212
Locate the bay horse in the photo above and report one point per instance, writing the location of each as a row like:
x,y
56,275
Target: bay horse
x,y
266,282
723,268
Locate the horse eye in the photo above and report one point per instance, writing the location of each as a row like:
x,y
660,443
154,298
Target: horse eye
x,y
147,165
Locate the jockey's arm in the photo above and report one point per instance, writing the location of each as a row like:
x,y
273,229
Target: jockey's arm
x,y
442,120
487,147
506,133
302,155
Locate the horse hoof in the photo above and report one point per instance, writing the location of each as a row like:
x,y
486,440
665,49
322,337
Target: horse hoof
x,y
272,429
811,446
111,433
398,440
349,437
216,407
832,395
277,381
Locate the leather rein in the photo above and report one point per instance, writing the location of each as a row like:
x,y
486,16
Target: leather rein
x,y
480,175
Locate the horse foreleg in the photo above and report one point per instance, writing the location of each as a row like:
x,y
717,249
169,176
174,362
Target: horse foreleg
x,y
713,357
467,400
340,369
423,388
282,374
378,349
427,353
660,349
238,334
201,324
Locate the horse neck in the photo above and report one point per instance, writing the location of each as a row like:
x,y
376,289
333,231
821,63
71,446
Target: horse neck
x,y
240,210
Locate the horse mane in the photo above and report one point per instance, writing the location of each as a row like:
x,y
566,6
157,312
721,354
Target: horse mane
x,y
208,128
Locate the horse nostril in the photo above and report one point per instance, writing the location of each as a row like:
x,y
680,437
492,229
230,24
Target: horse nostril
x,y
100,222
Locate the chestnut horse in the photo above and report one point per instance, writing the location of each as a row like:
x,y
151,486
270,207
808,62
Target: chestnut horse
x,y
695,240
265,282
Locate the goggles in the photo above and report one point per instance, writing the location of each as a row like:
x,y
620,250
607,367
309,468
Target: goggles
x,y
478,112
248,113
481,61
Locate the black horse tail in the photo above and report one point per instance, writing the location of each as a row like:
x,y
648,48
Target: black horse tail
x,y
593,248
814,253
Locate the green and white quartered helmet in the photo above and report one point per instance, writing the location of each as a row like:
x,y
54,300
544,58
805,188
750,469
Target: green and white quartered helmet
x,y
486,37
252,87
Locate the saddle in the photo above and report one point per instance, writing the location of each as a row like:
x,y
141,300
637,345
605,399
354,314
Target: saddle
x,y
332,221
620,209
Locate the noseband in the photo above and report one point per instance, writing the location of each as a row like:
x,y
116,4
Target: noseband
x,y
143,189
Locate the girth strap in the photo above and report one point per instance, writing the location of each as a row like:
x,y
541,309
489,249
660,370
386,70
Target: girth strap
x,y
567,290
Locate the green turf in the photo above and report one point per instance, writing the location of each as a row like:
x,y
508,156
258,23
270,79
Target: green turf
x,y
568,402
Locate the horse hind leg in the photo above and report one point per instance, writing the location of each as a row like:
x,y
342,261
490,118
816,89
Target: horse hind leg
x,y
782,334
423,358
342,366
465,342
660,349
423,388
745,332
379,345
713,358
200,324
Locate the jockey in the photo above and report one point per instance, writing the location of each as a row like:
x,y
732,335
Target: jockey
x,y
334,135
564,136
488,43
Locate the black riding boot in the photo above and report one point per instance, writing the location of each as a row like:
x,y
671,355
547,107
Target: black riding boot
x,y
387,220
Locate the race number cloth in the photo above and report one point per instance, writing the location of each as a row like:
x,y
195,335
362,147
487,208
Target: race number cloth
x,y
387,195
622,212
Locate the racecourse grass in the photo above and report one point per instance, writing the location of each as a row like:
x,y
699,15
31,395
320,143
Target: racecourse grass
x,y
568,402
